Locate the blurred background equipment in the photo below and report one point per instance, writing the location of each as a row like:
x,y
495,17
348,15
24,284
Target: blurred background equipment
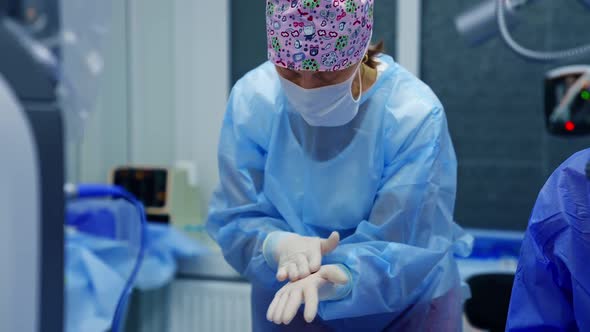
x,y
32,211
567,96
489,273
92,289
167,194
486,314
567,100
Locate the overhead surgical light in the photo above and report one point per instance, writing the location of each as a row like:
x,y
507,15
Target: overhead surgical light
x,y
492,17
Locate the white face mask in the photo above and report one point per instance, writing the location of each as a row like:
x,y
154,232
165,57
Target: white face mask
x,y
329,106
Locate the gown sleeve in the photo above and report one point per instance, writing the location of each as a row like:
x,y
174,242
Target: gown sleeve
x,y
240,216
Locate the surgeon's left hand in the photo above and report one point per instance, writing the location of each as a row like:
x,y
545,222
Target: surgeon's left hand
x,y
310,290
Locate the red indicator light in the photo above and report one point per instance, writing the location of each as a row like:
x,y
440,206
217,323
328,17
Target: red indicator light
x,y
570,126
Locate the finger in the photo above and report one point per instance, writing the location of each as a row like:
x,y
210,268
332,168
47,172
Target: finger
x,y
293,272
310,295
278,314
335,274
272,307
315,262
303,266
292,306
329,244
282,273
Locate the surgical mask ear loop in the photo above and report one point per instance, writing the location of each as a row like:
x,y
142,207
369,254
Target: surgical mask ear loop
x,y
366,58
360,85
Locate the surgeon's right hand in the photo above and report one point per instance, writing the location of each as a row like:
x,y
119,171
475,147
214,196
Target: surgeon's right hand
x,y
296,256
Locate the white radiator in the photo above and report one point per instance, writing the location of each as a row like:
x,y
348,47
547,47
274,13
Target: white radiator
x,y
193,305
199,306
210,306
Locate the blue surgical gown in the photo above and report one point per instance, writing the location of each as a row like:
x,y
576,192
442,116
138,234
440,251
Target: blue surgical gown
x,y
386,181
552,286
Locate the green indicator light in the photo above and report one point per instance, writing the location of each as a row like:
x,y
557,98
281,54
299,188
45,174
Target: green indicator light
x,y
586,95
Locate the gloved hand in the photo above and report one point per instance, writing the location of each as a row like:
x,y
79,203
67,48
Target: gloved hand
x,y
326,284
297,256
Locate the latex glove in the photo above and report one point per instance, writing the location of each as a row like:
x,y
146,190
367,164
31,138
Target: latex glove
x,y
297,256
331,282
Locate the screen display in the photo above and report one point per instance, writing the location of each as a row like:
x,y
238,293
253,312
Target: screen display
x,y
577,119
148,185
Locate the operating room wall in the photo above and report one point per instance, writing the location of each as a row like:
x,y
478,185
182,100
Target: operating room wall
x,y
164,92
494,102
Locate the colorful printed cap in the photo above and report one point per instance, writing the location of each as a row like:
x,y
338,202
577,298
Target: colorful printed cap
x,y
318,35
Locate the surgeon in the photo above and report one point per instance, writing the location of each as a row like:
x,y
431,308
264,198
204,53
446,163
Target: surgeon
x,y
338,181
552,286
